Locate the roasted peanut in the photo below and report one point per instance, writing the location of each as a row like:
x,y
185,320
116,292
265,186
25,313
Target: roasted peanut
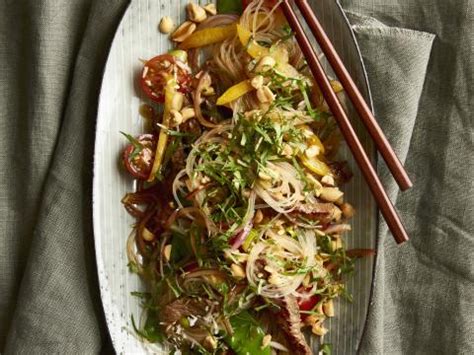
x,y
166,24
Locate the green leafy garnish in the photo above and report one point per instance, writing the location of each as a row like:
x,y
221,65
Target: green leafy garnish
x,y
137,146
132,267
326,349
288,32
141,295
151,330
229,7
248,335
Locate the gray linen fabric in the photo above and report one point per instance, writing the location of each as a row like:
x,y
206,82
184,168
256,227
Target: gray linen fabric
x,y
52,53
424,290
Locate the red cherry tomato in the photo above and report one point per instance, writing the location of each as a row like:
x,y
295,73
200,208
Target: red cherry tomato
x,y
308,303
138,156
155,73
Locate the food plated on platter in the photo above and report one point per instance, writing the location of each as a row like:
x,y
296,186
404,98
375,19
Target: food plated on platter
x,y
240,216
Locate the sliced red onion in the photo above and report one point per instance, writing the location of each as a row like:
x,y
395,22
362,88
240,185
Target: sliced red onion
x,y
243,231
240,237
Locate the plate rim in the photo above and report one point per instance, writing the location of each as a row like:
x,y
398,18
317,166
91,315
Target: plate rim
x,y
375,160
95,200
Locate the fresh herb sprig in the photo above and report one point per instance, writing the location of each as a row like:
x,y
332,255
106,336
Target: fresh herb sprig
x,y
137,146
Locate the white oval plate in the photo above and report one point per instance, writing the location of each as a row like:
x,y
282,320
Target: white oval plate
x,y
137,37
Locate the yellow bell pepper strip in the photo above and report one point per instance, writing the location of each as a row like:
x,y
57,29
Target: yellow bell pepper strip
x,y
244,34
170,103
208,36
315,165
234,92
180,54
336,86
312,139
253,48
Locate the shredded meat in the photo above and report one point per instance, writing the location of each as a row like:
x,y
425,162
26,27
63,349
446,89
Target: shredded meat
x,y
289,319
337,228
191,126
178,160
322,212
341,172
325,208
179,308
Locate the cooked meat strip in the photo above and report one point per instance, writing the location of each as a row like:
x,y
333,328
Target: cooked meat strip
x,y
337,228
322,212
290,321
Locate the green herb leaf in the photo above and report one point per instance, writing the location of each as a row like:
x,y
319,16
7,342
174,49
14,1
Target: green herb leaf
x,y
288,32
138,147
180,248
229,7
142,295
326,349
132,267
248,335
151,330
250,238
174,133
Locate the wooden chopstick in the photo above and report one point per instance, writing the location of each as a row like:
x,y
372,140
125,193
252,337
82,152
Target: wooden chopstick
x,y
379,138
388,211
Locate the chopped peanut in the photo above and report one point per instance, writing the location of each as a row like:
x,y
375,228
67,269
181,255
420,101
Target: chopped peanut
x,y
166,25
237,271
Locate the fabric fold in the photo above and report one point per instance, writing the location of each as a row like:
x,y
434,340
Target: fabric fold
x,y
58,307
423,291
396,60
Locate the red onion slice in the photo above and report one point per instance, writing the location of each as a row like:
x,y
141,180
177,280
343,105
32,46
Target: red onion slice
x,y
240,237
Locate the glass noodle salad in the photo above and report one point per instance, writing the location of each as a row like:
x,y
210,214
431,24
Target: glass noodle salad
x,y
239,213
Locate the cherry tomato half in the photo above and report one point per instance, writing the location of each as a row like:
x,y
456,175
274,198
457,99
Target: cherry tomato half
x,y
308,303
138,156
155,73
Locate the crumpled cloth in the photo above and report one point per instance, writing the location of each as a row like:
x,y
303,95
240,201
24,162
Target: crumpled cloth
x,y
419,59
423,301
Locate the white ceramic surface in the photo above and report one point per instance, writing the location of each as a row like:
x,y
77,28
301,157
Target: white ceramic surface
x,y
137,37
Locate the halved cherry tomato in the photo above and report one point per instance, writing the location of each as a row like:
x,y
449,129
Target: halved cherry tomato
x,y
309,302
156,71
138,157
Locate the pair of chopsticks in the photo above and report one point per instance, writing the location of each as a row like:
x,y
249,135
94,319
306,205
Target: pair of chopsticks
x,y
383,146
